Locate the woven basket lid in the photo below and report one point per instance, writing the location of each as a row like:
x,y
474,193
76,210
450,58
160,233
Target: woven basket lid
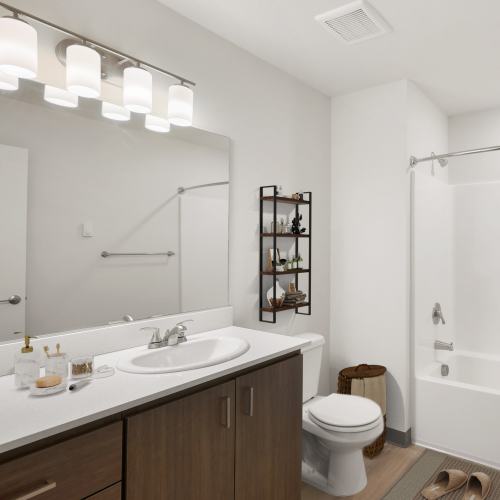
x,y
363,371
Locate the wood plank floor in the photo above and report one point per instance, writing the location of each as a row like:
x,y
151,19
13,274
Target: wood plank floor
x,y
383,472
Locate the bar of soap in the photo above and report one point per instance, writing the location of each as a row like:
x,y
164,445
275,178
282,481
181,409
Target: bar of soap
x,y
48,381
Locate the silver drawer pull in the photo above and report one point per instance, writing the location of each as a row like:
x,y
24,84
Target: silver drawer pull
x,y
227,416
47,486
249,411
13,300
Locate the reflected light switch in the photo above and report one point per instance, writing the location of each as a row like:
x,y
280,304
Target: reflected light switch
x,y
87,229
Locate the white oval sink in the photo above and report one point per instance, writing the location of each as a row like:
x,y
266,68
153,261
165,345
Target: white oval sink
x,y
189,355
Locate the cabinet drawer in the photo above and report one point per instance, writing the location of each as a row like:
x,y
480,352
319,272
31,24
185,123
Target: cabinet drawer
x,y
69,470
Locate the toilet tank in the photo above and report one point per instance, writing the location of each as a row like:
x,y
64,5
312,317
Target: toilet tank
x,y
311,359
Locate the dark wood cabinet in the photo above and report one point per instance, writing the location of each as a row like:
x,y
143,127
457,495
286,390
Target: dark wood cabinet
x,y
184,449
69,470
112,493
238,439
268,432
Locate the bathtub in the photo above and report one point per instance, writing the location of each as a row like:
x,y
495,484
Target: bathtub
x,y
460,413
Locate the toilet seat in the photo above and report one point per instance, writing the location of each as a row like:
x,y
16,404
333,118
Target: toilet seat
x,y
345,413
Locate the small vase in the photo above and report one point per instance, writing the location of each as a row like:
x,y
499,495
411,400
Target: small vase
x,y
280,296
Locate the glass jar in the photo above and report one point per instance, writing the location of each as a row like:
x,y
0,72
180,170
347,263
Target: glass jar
x,y
82,367
57,364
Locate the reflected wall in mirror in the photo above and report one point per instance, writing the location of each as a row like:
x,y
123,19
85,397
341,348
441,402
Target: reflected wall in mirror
x,y
73,185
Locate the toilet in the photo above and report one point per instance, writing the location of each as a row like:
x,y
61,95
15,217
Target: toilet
x,y
335,429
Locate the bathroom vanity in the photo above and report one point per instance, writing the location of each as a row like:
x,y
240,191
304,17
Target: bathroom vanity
x,y
230,431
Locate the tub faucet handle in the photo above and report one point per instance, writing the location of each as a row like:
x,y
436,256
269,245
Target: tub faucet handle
x,y
437,314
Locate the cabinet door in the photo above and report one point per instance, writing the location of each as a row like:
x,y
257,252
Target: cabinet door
x,y
183,450
268,432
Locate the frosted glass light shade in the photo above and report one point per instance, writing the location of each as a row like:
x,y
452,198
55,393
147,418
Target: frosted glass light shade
x,y
83,71
157,124
8,82
180,105
18,48
137,90
115,112
60,97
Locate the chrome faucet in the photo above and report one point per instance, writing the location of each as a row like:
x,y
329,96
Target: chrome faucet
x,y
439,345
178,332
175,336
437,314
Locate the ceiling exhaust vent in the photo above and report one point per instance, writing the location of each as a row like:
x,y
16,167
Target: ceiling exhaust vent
x,y
355,22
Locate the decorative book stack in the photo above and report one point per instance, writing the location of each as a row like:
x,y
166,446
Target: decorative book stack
x,y
294,298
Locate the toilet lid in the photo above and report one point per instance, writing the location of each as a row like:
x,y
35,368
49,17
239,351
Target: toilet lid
x,y
345,411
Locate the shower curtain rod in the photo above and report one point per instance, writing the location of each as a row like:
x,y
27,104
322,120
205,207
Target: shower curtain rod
x,y
182,189
414,160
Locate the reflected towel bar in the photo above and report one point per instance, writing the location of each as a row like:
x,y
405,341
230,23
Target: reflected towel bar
x,y
105,254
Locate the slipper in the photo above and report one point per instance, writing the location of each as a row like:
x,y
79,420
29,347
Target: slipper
x,y
446,481
478,486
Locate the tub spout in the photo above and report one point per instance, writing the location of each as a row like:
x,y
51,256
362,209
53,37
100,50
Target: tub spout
x,y
439,345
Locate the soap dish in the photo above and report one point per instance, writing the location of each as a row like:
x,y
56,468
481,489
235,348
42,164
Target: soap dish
x,y
47,391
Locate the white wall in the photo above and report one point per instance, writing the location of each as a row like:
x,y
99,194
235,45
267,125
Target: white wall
x,y
279,127
370,237
374,132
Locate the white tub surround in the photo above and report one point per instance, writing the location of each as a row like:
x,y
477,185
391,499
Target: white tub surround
x,y
108,396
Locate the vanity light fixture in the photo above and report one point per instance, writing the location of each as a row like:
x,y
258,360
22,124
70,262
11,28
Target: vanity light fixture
x,y
8,82
18,47
83,71
61,97
180,105
137,90
157,124
83,58
115,112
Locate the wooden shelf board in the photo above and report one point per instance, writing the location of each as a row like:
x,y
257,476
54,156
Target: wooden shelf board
x,y
283,199
291,271
284,235
283,308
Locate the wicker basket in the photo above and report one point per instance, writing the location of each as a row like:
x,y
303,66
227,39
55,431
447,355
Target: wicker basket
x,y
344,387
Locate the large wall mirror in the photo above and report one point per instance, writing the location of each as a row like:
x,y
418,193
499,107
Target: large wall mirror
x,y
104,222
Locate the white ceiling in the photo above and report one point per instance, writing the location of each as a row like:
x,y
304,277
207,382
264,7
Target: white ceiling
x,y
449,47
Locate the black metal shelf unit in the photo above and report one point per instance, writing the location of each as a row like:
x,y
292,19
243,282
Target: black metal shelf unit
x,y
274,200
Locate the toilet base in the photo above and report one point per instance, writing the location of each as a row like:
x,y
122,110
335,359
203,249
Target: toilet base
x,y
346,474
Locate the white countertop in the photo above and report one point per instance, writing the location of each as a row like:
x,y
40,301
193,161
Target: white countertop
x,y
25,419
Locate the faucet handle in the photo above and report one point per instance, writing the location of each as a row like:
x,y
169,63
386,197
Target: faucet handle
x,y
155,338
437,314
182,327
181,330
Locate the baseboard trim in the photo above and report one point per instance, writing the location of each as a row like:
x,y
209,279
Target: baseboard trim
x,y
458,454
399,438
